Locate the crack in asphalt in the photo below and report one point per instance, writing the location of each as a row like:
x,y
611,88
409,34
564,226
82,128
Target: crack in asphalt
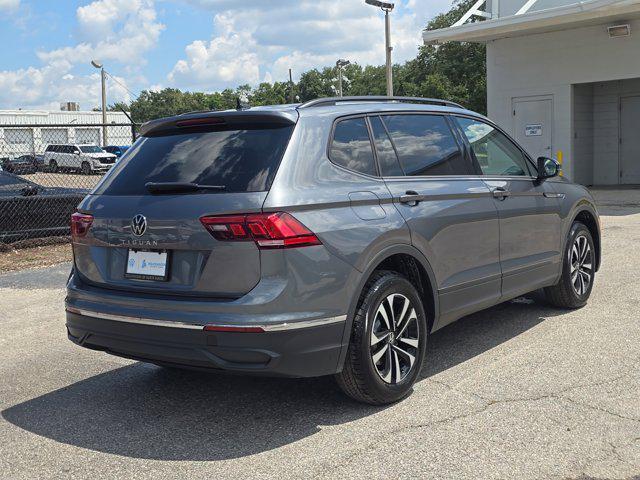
x,y
489,403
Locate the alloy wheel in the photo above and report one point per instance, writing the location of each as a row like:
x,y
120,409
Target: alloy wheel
x,y
394,338
581,261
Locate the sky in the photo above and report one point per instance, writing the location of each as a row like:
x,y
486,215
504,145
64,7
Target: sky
x,y
195,45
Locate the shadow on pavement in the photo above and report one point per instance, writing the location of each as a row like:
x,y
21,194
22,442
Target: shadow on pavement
x,y
144,411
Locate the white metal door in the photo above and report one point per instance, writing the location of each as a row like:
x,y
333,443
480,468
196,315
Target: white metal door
x,y
533,125
53,136
629,140
88,136
18,141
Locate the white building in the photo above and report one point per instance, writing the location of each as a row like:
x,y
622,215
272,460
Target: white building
x,y
30,131
559,79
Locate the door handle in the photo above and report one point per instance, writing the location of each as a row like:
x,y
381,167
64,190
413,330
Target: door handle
x,y
500,193
411,198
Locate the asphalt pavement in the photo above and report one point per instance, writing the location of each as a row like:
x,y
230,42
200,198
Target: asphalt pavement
x,y
519,391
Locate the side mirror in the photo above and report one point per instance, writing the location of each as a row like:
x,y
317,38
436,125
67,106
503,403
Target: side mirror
x,y
547,168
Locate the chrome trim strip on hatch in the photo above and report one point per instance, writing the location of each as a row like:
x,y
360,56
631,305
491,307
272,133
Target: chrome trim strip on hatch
x,y
275,327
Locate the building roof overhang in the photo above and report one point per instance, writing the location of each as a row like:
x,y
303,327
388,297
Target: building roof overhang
x,y
580,14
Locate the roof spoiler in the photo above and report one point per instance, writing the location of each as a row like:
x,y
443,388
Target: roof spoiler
x,y
228,119
323,102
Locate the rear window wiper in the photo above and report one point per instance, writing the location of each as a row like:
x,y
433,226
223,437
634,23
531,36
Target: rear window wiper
x,y
180,187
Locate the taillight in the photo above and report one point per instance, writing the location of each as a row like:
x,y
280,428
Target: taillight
x,y
80,224
268,230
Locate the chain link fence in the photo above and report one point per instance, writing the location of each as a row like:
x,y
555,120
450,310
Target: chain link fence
x,y
47,170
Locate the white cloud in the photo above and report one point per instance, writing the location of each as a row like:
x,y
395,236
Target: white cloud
x,y
116,31
9,5
229,58
255,39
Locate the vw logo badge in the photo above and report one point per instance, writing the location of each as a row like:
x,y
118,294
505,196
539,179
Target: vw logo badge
x,y
139,225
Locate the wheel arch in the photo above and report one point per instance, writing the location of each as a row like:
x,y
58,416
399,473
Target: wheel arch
x,y
410,262
589,218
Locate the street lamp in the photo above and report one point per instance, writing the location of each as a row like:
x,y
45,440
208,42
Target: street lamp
x,y
103,78
386,8
339,64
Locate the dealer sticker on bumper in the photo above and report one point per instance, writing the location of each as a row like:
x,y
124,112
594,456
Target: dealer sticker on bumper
x,y
147,265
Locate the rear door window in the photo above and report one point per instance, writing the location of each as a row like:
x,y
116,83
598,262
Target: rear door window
x,y
425,145
351,146
240,160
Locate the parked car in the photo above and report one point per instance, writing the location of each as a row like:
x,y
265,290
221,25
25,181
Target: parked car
x,y
82,158
327,238
24,164
39,161
118,151
30,210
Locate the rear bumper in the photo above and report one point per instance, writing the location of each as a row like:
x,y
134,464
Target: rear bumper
x,y
295,349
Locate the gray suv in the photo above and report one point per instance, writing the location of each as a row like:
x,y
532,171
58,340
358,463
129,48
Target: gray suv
x,y
326,238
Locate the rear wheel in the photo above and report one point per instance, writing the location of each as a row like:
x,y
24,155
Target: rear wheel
x,y
53,166
388,341
85,168
578,270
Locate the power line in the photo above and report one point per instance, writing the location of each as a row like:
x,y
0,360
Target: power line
x,y
121,84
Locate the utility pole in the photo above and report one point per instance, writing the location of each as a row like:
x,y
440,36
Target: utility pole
x,y
386,7
103,81
103,77
388,48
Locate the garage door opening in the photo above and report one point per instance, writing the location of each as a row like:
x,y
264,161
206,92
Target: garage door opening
x,y
606,146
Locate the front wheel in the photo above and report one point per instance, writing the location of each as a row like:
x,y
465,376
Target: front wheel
x,y
53,166
578,270
85,168
388,341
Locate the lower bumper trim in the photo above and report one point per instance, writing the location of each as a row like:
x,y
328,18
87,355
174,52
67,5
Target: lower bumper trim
x,y
274,327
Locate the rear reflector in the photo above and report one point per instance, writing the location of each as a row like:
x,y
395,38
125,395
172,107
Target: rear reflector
x,y
267,230
230,328
80,224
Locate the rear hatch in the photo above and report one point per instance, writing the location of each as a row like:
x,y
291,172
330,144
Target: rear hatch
x,y
141,228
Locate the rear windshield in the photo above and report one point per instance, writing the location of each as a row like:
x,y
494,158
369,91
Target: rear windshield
x,y
241,160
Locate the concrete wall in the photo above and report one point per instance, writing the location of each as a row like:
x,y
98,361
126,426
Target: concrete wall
x,y
549,64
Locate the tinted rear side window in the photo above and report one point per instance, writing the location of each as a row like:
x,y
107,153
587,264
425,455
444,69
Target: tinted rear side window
x,y
351,146
387,158
425,145
241,160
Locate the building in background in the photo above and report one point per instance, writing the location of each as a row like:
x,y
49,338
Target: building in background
x,y
30,131
563,77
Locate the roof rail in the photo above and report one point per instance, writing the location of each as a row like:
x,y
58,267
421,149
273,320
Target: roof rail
x,y
323,102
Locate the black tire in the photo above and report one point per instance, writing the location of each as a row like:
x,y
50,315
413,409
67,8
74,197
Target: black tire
x,y
565,294
360,377
85,168
53,166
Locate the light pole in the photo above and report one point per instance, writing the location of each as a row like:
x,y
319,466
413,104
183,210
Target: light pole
x,y
386,8
103,78
339,64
